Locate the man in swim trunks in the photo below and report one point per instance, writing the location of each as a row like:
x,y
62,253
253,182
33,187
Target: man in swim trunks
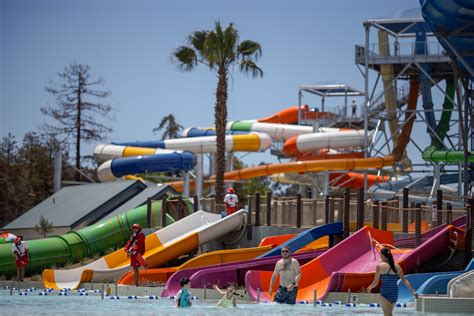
x,y
290,275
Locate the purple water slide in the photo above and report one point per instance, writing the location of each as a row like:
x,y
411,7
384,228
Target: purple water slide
x,y
232,272
409,242
432,247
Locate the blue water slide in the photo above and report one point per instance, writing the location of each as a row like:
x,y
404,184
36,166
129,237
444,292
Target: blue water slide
x,y
153,163
452,22
421,48
428,283
306,237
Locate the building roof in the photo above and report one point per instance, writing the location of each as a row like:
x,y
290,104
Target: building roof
x,y
72,205
153,191
401,27
332,90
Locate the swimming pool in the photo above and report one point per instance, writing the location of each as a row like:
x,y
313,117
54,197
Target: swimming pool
x,y
90,303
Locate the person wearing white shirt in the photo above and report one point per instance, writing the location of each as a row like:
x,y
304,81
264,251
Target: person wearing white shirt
x,y
20,251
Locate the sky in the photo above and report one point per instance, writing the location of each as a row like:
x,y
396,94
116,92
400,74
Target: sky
x,y
129,44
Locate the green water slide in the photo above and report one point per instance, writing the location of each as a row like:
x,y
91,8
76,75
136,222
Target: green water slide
x,y
83,243
433,153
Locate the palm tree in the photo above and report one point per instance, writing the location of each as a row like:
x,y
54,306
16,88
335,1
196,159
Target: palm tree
x,y
220,50
170,126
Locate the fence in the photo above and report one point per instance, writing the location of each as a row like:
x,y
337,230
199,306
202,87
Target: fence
x,y
355,210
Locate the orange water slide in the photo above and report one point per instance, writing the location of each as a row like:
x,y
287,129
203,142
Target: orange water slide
x,y
286,116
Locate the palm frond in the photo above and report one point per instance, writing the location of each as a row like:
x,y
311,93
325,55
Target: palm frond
x,y
186,58
251,68
212,51
231,38
250,49
197,40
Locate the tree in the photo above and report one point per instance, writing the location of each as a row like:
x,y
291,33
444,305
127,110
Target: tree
x,y
74,111
170,126
220,50
44,226
27,173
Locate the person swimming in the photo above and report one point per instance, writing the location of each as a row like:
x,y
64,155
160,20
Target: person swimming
x,y
183,297
388,271
290,275
228,298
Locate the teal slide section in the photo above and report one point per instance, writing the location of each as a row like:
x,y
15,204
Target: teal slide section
x,y
56,251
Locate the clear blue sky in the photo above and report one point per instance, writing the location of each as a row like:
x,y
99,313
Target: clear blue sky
x,y
129,44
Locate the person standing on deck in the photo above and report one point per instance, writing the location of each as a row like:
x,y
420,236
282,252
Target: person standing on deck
x,y
135,249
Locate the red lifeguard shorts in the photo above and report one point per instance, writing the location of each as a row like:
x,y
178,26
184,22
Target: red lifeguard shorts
x,y
22,262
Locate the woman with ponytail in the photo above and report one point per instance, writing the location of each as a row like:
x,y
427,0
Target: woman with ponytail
x,y
389,272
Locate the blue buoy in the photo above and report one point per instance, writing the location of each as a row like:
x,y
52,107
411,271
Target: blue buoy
x,y
23,293
374,305
350,305
171,297
194,298
337,303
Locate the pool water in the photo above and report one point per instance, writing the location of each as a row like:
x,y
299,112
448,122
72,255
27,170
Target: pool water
x,y
90,303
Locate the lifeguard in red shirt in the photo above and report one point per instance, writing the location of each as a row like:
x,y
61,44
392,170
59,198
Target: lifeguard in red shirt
x,y
135,249
231,201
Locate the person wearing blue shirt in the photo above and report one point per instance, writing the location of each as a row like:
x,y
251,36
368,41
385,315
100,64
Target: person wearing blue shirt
x,y
183,298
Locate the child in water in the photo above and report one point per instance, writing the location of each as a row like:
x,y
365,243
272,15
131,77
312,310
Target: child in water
x,y
228,300
183,298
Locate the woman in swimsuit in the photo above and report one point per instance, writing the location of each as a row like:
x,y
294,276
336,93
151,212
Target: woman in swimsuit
x,y
389,272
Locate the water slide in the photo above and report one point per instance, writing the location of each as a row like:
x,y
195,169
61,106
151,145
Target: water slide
x,y
170,161
350,180
224,273
161,275
451,21
314,141
307,240
228,273
285,116
83,243
330,164
161,246
122,160
388,75
350,264
428,283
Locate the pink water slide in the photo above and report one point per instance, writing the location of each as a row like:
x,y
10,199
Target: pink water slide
x,y
350,264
